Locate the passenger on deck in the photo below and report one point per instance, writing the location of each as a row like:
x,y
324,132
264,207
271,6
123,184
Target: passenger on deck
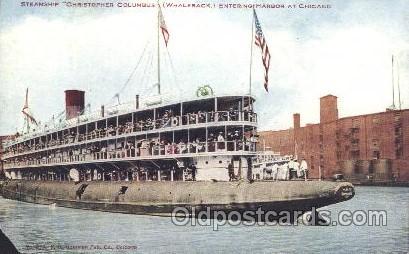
x,y
111,130
292,171
149,124
202,116
274,171
233,114
230,170
220,141
199,146
194,169
304,169
192,118
182,147
285,171
236,135
166,119
296,166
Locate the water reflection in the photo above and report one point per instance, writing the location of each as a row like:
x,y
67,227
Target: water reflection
x,y
28,225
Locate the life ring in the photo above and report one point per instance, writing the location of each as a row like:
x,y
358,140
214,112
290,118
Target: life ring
x,y
99,177
175,121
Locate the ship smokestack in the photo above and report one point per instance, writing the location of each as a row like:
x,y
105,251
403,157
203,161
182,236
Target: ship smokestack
x,y
74,103
102,110
137,101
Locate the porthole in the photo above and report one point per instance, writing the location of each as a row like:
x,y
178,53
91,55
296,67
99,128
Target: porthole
x,y
220,162
207,162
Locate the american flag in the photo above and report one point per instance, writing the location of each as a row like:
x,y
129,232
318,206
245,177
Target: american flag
x,y
261,42
163,27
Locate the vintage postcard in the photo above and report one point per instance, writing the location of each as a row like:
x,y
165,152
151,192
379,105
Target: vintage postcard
x,y
132,126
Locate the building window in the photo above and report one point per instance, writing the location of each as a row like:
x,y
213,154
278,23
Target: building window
x,y
338,134
312,162
376,154
399,153
355,155
355,123
339,155
398,131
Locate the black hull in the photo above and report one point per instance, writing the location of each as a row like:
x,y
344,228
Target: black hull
x,y
118,204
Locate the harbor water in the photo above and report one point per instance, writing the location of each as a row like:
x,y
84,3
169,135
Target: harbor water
x,y
46,229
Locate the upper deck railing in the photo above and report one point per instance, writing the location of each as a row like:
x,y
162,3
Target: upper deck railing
x,y
148,103
139,127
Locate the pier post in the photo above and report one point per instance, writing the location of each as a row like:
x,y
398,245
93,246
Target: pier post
x,y
171,175
159,176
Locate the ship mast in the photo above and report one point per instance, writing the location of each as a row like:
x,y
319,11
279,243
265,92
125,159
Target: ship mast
x,y
26,126
393,87
27,115
158,45
251,51
400,102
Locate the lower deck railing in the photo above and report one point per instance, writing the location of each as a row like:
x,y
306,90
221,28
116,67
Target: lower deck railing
x,y
145,152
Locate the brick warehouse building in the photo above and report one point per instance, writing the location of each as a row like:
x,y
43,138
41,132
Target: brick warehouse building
x,y
373,147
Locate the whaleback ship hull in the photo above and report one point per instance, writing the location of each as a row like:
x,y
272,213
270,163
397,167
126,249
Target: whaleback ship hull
x,y
161,198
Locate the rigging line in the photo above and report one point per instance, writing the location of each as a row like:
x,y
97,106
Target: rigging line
x,y
147,70
150,68
134,70
145,73
129,77
173,70
142,71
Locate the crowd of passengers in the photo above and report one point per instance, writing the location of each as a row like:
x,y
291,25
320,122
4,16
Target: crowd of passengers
x,y
167,119
233,141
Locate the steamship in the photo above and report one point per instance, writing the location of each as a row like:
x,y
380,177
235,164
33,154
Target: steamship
x,y
190,140
154,156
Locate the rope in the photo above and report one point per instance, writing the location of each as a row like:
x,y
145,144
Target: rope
x,y
173,70
132,73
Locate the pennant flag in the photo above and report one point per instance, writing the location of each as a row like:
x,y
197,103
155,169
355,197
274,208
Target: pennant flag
x,y
163,27
26,112
265,53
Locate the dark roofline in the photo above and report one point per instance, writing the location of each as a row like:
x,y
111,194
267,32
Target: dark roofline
x,y
328,95
345,118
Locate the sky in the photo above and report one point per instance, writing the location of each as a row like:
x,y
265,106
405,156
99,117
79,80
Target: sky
x,y
344,50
